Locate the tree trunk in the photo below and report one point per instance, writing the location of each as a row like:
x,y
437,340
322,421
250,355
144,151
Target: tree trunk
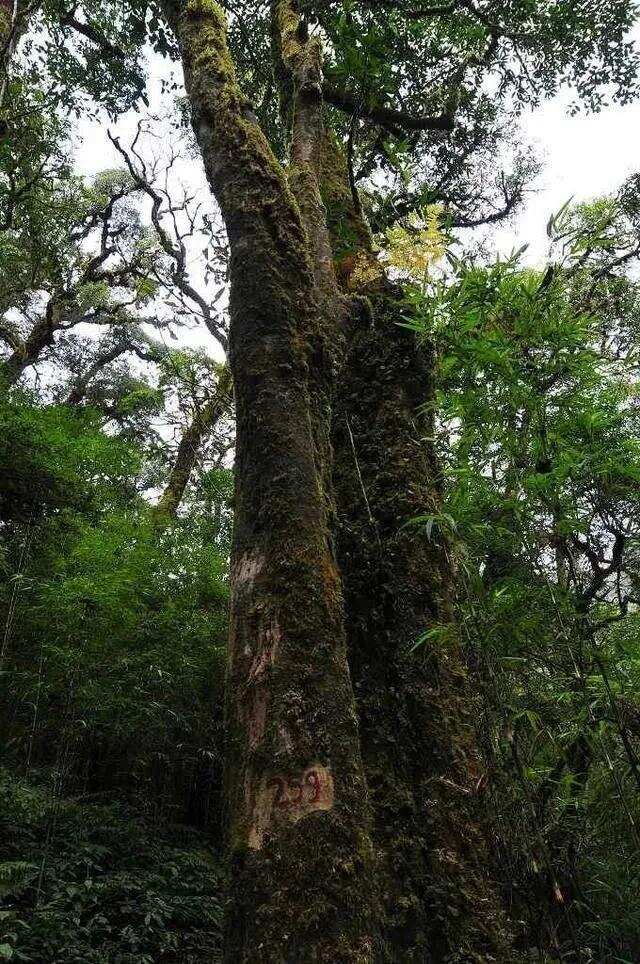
x,y
416,707
202,423
14,17
6,21
299,844
28,352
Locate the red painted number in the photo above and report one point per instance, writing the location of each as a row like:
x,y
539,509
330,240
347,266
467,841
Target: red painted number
x,y
294,793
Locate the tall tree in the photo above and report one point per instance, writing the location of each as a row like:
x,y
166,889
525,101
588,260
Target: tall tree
x,y
299,842
422,95
439,83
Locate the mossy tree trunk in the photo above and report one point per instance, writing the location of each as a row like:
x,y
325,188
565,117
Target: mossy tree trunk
x,y
6,21
299,844
417,705
299,840
14,17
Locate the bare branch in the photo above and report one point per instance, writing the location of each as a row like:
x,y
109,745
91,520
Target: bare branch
x,y
176,251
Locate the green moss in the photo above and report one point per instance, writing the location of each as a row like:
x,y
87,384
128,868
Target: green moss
x,y
416,710
348,229
288,24
5,24
306,893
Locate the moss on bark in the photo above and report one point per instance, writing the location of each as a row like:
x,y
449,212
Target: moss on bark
x,y
301,852
416,709
301,885
5,24
347,228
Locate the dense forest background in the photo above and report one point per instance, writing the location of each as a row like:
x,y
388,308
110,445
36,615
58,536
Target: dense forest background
x,y
117,429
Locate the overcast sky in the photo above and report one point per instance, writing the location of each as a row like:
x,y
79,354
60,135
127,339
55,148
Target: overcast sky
x,y
585,156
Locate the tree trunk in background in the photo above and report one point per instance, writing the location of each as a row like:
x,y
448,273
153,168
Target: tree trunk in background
x,y
6,21
13,23
299,841
40,337
416,709
202,424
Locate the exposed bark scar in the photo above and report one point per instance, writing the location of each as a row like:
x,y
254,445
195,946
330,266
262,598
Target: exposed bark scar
x,y
246,571
285,799
265,657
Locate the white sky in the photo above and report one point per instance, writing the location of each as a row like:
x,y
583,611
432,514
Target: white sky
x,y
585,155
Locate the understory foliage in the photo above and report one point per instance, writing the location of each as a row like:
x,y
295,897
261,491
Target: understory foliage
x,y
539,438
111,691
93,882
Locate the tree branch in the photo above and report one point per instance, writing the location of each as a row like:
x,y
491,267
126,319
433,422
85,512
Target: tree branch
x,y
176,252
92,34
395,121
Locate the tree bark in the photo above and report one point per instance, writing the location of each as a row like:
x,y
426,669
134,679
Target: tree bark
x,y
14,16
202,423
40,337
6,21
416,706
299,844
